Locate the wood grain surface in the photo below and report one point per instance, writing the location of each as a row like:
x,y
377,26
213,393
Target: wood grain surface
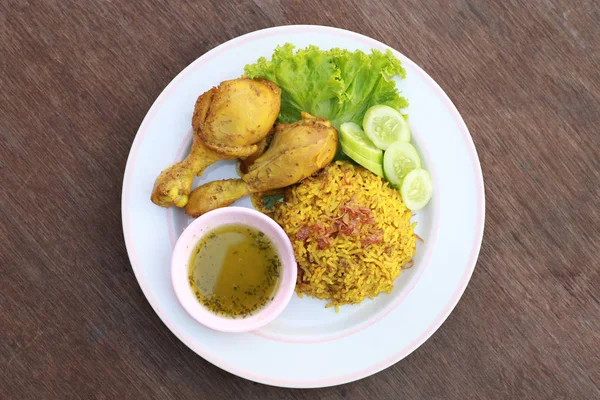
x,y
77,79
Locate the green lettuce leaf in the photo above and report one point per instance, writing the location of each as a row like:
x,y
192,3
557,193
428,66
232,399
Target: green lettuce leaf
x,y
336,84
309,80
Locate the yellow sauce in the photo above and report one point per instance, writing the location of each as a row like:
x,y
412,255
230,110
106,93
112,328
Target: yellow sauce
x,y
234,270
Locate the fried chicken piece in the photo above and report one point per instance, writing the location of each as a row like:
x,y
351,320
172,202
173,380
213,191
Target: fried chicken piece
x,y
232,117
297,151
238,114
173,185
262,146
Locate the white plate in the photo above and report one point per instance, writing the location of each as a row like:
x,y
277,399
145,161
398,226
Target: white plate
x,y
308,345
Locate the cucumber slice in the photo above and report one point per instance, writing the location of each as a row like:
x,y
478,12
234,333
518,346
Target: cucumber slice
x,y
384,126
373,166
399,159
355,139
416,189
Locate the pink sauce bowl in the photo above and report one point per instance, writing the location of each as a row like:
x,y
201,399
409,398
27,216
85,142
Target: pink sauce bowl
x,y
194,233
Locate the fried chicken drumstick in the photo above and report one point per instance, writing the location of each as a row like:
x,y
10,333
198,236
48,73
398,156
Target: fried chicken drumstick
x,y
297,150
230,121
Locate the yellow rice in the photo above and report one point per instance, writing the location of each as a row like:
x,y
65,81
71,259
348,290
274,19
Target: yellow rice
x,y
347,272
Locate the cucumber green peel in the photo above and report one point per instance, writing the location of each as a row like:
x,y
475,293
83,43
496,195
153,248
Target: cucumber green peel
x,y
353,137
373,166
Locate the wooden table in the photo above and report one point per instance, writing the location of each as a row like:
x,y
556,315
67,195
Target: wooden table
x,y
76,81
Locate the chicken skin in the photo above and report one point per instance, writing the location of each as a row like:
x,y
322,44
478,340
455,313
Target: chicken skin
x,y
262,146
237,114
229,121
297,151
